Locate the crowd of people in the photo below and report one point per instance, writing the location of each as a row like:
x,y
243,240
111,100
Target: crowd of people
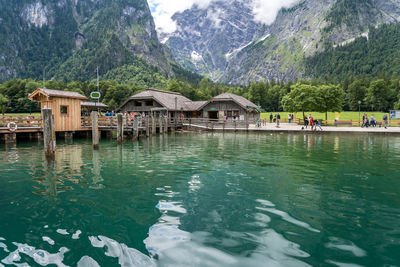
x,y
371,122
313,123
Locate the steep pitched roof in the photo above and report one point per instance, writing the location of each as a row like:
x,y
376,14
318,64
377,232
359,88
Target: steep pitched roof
x,y
243,102
57,93
165,98
195,105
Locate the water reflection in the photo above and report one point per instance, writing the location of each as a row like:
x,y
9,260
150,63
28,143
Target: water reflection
x,y
205,200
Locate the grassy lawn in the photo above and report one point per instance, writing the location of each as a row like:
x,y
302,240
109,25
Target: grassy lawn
x,y
21,114
343,116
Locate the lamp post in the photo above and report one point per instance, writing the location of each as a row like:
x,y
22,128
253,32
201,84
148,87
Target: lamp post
x,y
359,112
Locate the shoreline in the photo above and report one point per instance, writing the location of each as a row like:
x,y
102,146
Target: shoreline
x,y
293,128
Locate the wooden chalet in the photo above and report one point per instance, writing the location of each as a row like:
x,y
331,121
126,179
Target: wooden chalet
x,y
173,104
67,107
231,106
160,102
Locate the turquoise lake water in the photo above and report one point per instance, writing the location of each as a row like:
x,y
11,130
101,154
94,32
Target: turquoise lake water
x,y
203,200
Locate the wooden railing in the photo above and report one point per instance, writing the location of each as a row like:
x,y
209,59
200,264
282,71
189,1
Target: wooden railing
x,y
22,122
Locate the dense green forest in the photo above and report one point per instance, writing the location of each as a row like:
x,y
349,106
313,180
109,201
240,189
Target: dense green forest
x,y
349,13
378,54
379,94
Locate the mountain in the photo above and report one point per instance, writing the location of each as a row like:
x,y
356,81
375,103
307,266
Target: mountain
x,y
69,39
226,43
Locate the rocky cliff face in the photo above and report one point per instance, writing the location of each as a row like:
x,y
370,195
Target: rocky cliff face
x,y
226,44
206,39
63,35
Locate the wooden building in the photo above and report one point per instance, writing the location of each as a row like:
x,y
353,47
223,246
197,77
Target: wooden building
x,y
165,102
67,107
160,102
230,106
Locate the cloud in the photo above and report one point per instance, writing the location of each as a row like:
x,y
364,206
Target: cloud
x,y
265,11
163,10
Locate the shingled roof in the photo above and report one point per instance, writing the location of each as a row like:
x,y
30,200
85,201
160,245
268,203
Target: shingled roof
x,y
57,93
93,104
165,98
240,100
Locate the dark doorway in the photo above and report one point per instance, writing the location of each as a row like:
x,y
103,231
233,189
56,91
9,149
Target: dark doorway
x,y
213,115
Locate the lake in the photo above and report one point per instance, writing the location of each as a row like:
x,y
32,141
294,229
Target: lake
x,y
203,200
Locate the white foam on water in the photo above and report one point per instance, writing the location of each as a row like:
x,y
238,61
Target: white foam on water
x,y
46,226
62,232
172,246
265,202
128,257
40,256
87,261
164,236
345,245
170,206
76,234
286,217
4,247
48,240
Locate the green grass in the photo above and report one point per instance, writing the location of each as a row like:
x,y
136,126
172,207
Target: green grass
x,y
344,116
21,114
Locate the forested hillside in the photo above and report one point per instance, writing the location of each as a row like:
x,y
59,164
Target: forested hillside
x,y
378,54
67,40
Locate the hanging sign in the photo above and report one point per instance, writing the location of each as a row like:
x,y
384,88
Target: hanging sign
x,y
95,95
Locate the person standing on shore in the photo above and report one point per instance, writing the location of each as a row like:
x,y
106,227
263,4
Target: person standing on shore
x,y
305,122
385,120
270,118
278,119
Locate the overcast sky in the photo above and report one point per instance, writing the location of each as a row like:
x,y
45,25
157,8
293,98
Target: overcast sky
x,y
265,11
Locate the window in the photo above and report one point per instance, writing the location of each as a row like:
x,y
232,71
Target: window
x,y
64,110
149,103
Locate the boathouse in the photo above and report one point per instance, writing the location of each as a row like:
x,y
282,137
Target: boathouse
x,y
174,104
231,106
67,107
164,103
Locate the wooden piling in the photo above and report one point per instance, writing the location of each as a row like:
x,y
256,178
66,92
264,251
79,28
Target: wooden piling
x,y
10,138
49,134
95,129
120,128
166,124
153,125
160,124
147,127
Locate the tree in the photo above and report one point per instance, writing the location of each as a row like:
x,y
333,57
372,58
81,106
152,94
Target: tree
x,y
330,98
380,96
357,91
301,98
3,104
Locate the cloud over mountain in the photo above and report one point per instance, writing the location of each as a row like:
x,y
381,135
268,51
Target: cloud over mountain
x,y
264,11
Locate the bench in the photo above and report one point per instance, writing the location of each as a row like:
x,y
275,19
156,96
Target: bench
x,y
350,123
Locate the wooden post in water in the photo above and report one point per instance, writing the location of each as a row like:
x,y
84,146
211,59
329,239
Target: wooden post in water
x,y
166,124
247,122
10,138
153,124
160,125
147,127
120,128
49,134
95,129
